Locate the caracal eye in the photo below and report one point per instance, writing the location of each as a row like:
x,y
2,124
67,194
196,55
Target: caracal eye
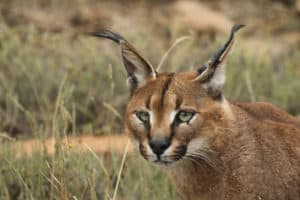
x,y
143,116
184,116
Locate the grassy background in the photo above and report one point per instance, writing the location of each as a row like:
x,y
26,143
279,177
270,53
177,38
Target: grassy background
x,y
56,81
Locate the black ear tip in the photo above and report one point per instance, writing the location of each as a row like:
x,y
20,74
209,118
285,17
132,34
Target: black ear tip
x,y
105,33
202,69
237,27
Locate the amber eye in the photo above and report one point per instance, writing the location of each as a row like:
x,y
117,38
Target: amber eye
x,y
143,116
184,116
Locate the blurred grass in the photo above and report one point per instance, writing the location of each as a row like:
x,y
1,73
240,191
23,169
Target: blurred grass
x,y
69,174
79,175
33,66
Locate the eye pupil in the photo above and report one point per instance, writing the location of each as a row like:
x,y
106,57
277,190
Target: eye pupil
x,y
183,113
184,116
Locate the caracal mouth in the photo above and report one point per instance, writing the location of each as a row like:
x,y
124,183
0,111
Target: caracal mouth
x,y
161,162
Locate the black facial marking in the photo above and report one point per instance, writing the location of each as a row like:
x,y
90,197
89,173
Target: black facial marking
x,y
143,151
180,151
175,123
178,103
172,127
201,69
165,88
148,128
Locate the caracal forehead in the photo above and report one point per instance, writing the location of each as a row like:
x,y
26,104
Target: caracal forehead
x,y
167,88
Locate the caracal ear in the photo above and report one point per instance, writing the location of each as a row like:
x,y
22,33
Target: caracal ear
x,y
212,73
138,68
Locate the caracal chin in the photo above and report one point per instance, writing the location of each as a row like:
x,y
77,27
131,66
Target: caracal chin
x,y
211,148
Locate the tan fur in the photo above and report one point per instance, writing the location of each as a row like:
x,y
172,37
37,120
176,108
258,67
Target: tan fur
x,y
256,152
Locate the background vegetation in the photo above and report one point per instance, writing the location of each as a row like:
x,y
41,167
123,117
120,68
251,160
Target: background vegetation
x,y
55,80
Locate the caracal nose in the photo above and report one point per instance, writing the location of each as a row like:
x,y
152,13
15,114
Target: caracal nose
x,y
159,145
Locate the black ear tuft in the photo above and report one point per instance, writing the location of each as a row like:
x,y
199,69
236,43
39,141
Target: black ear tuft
x,y
108,34
219,56
236,27
201,69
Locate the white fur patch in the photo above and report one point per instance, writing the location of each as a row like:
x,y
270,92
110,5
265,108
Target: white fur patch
x,y
218,79
151,117
140,76
172,116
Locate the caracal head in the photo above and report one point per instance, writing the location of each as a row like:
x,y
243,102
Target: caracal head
x,y
171,117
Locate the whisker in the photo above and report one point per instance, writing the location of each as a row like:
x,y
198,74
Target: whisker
x,y
206,155
216,127
173,157
192,160
207,161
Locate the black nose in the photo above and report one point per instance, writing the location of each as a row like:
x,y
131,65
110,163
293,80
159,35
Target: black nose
x,y
159,145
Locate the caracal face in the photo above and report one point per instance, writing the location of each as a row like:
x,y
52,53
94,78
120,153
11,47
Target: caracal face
x,y
169,115
166,118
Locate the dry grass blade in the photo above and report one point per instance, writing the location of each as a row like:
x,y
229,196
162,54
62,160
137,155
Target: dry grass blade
x,y
97,158
50,181
120,171
250,87
7,137
177,42
113,110
27,188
